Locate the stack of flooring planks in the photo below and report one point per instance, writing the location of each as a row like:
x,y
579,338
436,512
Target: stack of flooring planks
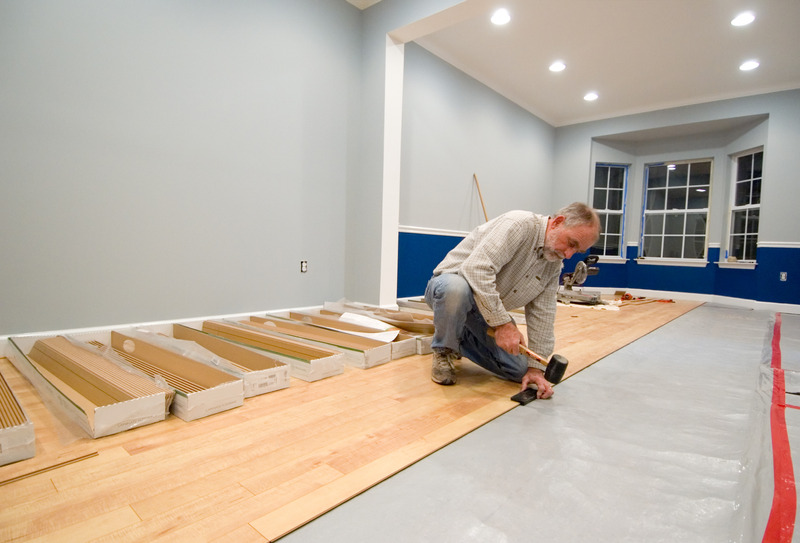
x,y
200,390
260,372
99,380
308,362
90,390
360,351
16,431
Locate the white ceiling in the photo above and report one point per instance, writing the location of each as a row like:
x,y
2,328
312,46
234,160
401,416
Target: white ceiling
x,y
638,55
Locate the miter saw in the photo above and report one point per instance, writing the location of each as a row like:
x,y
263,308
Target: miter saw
x,y
583,269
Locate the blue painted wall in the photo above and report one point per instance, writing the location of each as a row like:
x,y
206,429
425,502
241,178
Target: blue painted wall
x,y
420,253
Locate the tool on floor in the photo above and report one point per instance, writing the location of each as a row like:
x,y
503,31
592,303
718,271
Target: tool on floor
x,y
585,268
555,367
526,396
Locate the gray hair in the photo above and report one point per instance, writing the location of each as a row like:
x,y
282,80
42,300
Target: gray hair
x,y
580,214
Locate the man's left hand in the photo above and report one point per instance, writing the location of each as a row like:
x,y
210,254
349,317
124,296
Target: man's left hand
x,y
536,376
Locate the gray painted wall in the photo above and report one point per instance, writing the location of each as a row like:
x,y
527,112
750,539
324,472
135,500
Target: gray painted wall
x,y
780,223
163,160
454,127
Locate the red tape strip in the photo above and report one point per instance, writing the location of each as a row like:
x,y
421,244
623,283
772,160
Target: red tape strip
x,y
780,525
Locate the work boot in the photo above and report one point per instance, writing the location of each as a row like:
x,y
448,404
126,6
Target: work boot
x,y
443,371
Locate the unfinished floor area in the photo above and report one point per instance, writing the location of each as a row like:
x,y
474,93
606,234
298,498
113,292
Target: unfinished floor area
x,y
666,439
665,434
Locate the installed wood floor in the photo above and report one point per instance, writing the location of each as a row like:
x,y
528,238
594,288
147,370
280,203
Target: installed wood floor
x,y
261,470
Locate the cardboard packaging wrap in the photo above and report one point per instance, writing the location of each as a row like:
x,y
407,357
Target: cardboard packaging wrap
x,y
17,439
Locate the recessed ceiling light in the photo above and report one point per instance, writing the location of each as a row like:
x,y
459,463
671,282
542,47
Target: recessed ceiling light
x,y
749,65
743,19
501,16
557,66
590,96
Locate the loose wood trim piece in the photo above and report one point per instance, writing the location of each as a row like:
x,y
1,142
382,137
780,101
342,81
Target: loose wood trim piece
x,y
48,468
11,413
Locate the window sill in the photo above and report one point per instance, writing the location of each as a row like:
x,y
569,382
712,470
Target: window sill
x,y
611,260
738,265
672,262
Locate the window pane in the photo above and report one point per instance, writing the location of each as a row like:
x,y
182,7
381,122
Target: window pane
x,y
696,224
742,193
654,224
616,178
750,247
676,198
758,158
694,247
673,223
679,177
656,177
614,224
737,247
700,173
738,222
752,221
673,246
612,245
756,198
652,246
744,168
599,201
601,176
615,199
656,199
698,198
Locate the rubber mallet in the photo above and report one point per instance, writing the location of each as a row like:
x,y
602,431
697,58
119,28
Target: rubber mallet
x,y
555,367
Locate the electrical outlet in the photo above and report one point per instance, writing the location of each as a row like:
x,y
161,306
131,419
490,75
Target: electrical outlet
x,y
303,266
784,276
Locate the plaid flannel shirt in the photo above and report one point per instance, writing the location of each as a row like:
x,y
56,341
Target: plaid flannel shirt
x,y
503,262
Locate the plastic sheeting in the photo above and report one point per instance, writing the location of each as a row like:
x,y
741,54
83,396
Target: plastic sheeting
x,y
667,439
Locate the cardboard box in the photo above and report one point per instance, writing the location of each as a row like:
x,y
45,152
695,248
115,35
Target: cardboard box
x,y
81,400
403,344
308,362
200,390
359,351
261,373
17,439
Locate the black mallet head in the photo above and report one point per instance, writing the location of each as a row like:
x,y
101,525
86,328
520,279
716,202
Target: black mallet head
x,y
556,367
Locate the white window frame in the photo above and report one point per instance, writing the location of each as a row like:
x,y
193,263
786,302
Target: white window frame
x,y
685,211
605,212
729,258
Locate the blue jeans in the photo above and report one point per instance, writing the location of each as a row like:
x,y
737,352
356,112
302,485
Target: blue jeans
x,y
460,327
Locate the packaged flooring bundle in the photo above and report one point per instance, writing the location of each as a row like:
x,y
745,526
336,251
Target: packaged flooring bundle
x,y
200,390
85,388
417,325
17,439
403,344
359,351
308,362
260,372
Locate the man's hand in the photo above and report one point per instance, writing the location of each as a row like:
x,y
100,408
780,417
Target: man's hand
x,y
536,376
508,337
